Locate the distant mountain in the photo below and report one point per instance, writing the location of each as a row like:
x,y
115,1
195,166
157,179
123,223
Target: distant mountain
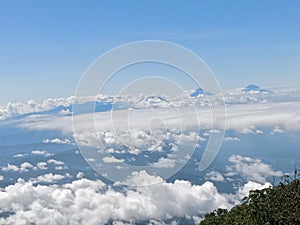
x,y
199,92
255,88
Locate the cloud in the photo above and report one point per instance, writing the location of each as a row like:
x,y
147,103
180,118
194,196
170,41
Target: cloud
x,y
80,175
250,185
19,155
57,141
277,129
215,176
10,167
251,169
59,168
112,159
42,165
1,177
41,152
90,202
26,166
48,178
231,139
56,162
165,163
243,118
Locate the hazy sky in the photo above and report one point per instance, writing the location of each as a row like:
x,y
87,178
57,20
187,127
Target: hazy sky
x,y
45,46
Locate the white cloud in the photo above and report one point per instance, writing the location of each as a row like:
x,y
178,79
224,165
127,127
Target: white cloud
x,y
58,168
80,175
10,167
92,202
165,163
41,152
250,185
26,166
252,169
277,129
56,162
48,178
42,165
57,141
231,139
215,176
259,132
243,118
1,177
112,159
19,155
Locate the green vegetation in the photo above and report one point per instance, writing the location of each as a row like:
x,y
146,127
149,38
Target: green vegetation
x,y
271,206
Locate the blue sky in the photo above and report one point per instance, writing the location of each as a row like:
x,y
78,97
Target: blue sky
x,y
45,46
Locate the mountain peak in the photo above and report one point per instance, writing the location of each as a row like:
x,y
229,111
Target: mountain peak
x,y
199,92
255,88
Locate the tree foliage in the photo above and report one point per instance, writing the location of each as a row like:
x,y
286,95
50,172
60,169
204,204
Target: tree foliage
x,y
271,206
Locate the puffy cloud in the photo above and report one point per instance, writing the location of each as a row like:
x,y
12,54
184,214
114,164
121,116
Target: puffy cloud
x,y
112,159
250,185
58,168
231,139
251,169
1,177
42,165
56,162
57,141
26,166
92,202
41,152
165,163
80,175
215,176
48,178
10,167
277,129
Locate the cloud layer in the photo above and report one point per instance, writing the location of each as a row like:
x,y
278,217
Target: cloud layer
x,y
92,202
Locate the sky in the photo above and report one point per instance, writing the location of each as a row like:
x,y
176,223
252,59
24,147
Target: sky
x,y
45,46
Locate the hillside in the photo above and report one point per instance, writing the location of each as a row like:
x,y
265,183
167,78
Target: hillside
x,y
278,205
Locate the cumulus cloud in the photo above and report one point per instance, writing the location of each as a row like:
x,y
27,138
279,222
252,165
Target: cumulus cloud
x,y
165,163
42,165
250,185
26,166
41,152
231,139
215,176
48,178
80,175
92,202
57,141
10,167
1,177
277,129
251,169
56,162
112,159
58,168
